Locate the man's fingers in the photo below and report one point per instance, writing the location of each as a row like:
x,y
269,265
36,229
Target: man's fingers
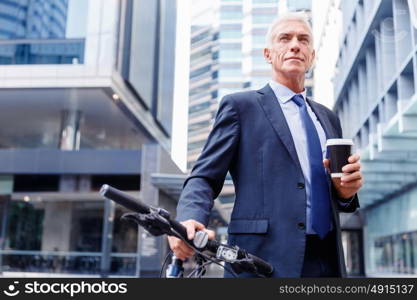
x,y
185,250
199,226
190,232
181,254
180,249
326,163
357,184
354,158
351,177
211,234
191,227
351,168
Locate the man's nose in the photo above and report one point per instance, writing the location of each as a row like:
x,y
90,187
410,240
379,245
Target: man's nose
x,y
294,45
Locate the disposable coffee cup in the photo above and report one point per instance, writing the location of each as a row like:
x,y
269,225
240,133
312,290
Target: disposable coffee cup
x,y
339,151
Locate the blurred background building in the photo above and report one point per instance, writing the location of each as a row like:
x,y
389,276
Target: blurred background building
x,y
375,97
86,95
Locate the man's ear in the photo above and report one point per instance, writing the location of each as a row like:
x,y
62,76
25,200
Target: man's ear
x,y
313,59
267,55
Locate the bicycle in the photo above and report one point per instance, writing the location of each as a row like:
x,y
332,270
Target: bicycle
x,y
157,222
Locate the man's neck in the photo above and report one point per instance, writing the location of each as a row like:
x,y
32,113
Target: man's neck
x,y
295,84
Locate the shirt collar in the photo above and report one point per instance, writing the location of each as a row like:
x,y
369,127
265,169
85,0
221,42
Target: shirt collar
x,y
283,93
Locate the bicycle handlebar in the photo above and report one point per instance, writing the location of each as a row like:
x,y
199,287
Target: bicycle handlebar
x,y
134,205
223,252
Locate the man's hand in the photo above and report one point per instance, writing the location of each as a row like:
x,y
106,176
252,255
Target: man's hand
x,y
180,249
350,183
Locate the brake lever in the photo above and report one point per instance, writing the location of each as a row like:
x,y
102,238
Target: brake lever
x,y
153,223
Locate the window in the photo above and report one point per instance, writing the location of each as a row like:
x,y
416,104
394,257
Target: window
x,y
230,54
224,34
396,253
265,1
235,72
200,71
263,19
231,15
43,32
200,37
199,107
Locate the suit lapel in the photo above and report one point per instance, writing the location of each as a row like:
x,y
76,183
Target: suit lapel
x,y
274,114
323,119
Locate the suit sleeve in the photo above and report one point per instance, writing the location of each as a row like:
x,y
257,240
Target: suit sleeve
x,y
343,205
207,177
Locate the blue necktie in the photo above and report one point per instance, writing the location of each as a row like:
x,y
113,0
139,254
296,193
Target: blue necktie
x,y
319,194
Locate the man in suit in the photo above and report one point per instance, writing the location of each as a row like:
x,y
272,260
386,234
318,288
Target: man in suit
x,y
272,141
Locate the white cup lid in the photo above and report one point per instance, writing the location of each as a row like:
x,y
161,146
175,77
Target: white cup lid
x,y
333,142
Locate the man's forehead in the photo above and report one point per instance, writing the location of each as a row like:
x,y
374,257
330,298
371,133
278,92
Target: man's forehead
x,y
292,27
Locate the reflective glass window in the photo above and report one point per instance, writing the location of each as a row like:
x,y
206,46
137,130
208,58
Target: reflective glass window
x,y
42,32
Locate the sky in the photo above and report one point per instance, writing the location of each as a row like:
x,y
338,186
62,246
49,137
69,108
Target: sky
x,y
182,62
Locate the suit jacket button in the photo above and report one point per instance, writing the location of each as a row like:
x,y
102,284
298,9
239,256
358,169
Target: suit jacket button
x,y
301,226
301,185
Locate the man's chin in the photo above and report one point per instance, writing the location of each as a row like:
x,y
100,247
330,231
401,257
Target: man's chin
x,y
293,72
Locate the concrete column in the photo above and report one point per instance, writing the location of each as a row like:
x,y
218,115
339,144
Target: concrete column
x,y
390,105
84,183
4,212
387,43
151,250
57,223
70,130
148,248
371,74
57,226
6,188
106,243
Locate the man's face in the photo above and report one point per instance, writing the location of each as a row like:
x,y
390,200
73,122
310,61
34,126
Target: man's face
x,y
292,51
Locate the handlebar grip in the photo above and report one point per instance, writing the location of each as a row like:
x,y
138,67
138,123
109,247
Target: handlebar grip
x,y
178,227
131,203
124,199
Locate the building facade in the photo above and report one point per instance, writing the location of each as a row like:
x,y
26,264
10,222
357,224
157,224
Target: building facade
x,y
86,91
37,29
204,75
33,19
376,100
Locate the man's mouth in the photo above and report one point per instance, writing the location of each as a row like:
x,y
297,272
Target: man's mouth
x,y
295,58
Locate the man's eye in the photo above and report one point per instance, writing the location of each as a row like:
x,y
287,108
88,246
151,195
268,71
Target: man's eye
x,y
284,38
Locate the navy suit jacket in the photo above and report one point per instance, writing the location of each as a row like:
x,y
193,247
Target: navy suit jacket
x,y
251,139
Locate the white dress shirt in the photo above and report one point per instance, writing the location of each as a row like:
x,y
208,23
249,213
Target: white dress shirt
x,y
292,115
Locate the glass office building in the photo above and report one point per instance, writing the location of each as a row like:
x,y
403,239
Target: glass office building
x,y
35,32
376,100
204,76
86,91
